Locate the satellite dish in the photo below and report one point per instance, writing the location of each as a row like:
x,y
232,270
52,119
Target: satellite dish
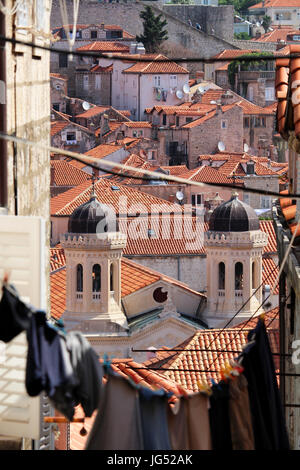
x,y
213,102
86,105
179,195
179,94
246,147
186,88
201,89
221,146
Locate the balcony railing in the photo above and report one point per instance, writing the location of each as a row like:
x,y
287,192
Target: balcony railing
x,y
248,75
238,293
221,293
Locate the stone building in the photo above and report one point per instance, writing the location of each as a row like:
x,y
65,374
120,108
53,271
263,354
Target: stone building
x,y
24,203
234,245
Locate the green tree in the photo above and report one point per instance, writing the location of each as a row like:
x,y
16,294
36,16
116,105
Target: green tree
x,y
244,36
266,22
252,61
154,33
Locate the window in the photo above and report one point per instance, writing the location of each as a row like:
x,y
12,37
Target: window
x,y
265,202
177,121
78,34
79,278
238,276
156,80
40,15
55,106
111,277
98,81
224,124
246,122
173,81
63,60
71,136
96,278
164,119
188,119
221,276
250,93
93,34
270,94
85,82
196,199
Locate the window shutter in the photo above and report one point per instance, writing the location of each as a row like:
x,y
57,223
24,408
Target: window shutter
x,y
78,135
64,136
22,251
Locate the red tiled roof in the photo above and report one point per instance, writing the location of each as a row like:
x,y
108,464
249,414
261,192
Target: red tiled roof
x,y
158,64
58,126
277,34
104,46
208,174
103,150
59,76
190,366
100,68
276,3
138,124
234,53
93,111
65,174
65,203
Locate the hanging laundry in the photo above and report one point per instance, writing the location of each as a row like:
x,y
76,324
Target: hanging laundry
x,y
154,405
158,94
219,417
177,424
198,424
48,366
266,407
164,95
87,369
14,314
118,424
240,414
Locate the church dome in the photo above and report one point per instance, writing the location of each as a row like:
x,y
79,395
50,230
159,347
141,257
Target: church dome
x,y
86,217
234,216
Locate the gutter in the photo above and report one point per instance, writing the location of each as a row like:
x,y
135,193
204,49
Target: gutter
x,y
3,122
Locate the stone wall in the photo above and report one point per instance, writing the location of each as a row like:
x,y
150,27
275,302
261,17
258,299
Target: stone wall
x,y
215,21
127,16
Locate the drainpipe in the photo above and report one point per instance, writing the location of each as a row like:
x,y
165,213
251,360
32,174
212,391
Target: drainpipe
x,y
3,126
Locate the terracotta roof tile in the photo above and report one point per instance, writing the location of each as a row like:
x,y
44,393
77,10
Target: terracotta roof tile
x,y
65,174
158,64
276,3
93,111
104,46
58,126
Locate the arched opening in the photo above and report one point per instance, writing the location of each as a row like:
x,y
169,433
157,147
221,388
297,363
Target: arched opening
x,y
238,279
111,277
254,275
79,278
96,278
221,276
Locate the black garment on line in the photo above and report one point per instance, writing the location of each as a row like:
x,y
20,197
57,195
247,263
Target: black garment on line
x,y
219,417
48,367
14,315
153,406
266,407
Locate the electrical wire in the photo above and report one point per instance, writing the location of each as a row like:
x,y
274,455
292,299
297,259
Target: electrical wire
x,y
94,163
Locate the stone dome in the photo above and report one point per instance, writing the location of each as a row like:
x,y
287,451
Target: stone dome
x,y
234,216
86,217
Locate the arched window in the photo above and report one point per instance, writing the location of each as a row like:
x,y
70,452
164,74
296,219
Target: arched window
x,y
254,275
96,277
221,276
79,278
112,277
238,279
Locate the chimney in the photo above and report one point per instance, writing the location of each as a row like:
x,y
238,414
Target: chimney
x,y
199,75
257,34
132,48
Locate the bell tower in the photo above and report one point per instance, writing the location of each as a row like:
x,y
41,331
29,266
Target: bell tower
x,y
93,250
234,245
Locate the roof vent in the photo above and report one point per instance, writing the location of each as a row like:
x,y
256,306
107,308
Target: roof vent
x,y
115,188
